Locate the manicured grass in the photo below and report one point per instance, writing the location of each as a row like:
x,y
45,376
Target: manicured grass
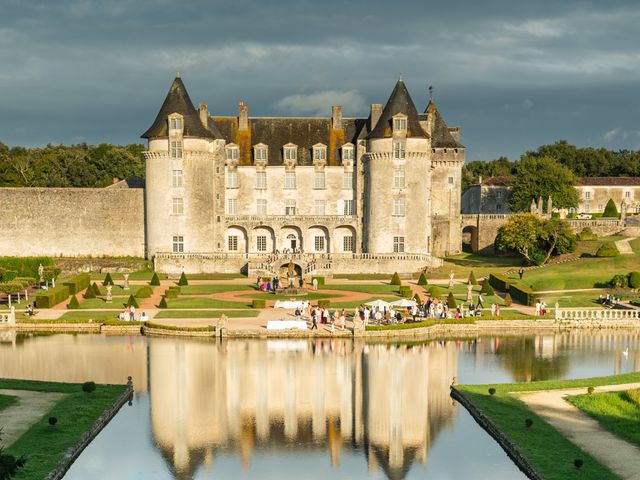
x,y
206,313
7,401
214,276
549,452
426,323
109,318
178,303
211,289
209,328
94,303
44,445
138,275
280,296
573,299
365,276
119,290
615,411
354,304
482,265
375,289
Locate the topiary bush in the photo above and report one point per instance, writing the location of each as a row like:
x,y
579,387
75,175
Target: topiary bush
x,y
618,281
96,289
578,463
590,390
528,422
422,281
587,234
417,298
258,303
89,293
132,302
163,303
634,279
107,280
435,291
89,387
324,303
53,421
183,280
634,396
610,210
492,391
144,292
155,280
608,249
487,289
472,278
395,279
507,300
405,291
451,301
73,303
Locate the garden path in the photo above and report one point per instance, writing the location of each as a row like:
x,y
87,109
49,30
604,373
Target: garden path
x,y
623,246
620,456
18,418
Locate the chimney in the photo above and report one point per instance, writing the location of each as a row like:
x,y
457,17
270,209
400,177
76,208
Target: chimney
x,y
376,111
243,116
336,117
204,114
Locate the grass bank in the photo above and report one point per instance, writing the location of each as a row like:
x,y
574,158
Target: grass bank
x,y
206,313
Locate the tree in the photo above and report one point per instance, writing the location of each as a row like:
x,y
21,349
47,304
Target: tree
x,y
472,278
107,280
451,301
519,234
422,281
558,236
542,177
610,210
183,280
155,280
395,279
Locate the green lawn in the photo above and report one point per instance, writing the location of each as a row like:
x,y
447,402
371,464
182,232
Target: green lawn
x,y
44,445
375,289
214,276
7,401
547,450
210,289
280,296
482,265
617,412
94,303
366,276
573,299
77,316
178,303
138,275
119,290
206,313
361,302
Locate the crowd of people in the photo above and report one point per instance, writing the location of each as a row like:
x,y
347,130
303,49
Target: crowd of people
x,y
129,314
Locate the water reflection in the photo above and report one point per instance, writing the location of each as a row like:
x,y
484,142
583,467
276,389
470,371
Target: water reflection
x,y
388,402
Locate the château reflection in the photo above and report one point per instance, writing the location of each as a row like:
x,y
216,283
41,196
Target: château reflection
x,y
385,401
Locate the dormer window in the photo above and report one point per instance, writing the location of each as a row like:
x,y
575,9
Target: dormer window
x,y
260,152
348,152
290,152
400,123
319,152
175,123
232,152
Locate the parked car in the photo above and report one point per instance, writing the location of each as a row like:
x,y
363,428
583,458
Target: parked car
x,y
583,216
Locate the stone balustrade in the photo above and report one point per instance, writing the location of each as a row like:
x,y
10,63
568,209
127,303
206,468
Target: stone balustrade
x,y
597,314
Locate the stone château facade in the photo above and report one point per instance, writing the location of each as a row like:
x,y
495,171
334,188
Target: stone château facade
x,y
340,194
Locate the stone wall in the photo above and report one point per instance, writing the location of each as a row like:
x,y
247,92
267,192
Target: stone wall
x,y
72,222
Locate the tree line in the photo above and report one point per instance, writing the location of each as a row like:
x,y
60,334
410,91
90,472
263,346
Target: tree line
x,y
79,165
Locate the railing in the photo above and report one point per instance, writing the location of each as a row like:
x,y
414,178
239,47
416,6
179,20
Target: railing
x,y
186,155
348,219
567,314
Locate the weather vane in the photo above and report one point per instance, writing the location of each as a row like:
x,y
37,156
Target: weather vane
x,y
430,92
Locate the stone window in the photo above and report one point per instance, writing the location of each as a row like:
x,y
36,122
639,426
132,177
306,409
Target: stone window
x,y
398,244
348,152
450,180
498,207
400,124
318,181
175,149
347,180
176,178
232,206
348,244
398,179
587,194
175,123
233,243
290,207
233,153
318,243
232,179
627,194
260,152
261,206
177,206
261,243
587,207
319,152
290,180
398,151
261,180
499,193
398,207
290,152
600,207
319,207
178,244
348,207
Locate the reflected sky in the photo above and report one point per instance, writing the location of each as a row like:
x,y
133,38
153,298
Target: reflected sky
x,y
302,408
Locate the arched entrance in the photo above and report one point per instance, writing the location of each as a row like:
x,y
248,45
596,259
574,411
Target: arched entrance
x,y
290,274
290,239
470,239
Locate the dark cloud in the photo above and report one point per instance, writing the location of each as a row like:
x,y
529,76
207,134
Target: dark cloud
x,y
513,75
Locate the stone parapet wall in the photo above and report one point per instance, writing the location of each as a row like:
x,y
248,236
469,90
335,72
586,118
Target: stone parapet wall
x,y
72,222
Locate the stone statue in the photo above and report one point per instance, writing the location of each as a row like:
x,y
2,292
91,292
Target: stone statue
x,y
109,297
469,294
126,282
12,315
451,275
53,282
41,273
291,269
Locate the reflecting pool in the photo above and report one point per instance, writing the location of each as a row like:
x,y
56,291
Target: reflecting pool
x,y
312,409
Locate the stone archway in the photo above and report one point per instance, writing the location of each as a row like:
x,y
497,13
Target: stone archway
x,y
290,274
470,239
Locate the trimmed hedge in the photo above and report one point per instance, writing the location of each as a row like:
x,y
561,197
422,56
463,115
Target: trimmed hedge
x,y
610,210
259,303
89,293
435,291
320,281
144,292
183,280
7,275
12,287
395,279
51,297
522,294
163,303
405,291
73,303
472,278
417,298
500,282
422,281
324,303
107,280
78,283
155,280
608,249
132,302
451,301
96,289
634,279
487,289
172,292
26,281
25,266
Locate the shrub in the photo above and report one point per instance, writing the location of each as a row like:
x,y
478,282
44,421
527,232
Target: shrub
x,y
578,463
395,279
155,280
89,293
590,390
51,297
618,281
258,303
487,289
435,291
405,291
492,391
51,272
77,283
96,289
132,302
634,396
89,387
53,421
634,279
587,234
417,298
73,303
172,292
320,281
507,300
610,210
163,303
472,278
422,281
9,275
183,280
522,294
144,292
107,280
499,282
608,249
451,301
528,422
324,303
26,281
11,287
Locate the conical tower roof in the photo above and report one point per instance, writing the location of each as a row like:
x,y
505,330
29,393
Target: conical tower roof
x,y
178,101
440,135
399,102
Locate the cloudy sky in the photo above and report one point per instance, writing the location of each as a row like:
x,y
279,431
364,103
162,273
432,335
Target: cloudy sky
x,y
512,74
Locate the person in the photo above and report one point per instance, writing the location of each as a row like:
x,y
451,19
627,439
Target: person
x,y
258,282
301,282
298,313
497,310
521,273
366,314
315,284
480,304
398,317
493,309
29,311
132,313
538,308
378,316
144,317
314,323
343,318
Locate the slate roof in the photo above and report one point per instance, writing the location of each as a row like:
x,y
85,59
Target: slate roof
x,y
277,132
440,135
399,102
609,181
178,101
